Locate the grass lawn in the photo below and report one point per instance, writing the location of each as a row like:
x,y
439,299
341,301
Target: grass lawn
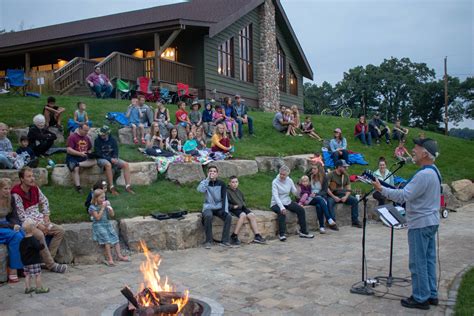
x,y
465,299
456,160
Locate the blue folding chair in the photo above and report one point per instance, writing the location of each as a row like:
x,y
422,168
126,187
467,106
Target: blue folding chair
x,y
165,96
16,81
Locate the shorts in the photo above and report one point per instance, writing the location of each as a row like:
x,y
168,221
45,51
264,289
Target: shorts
x,y
73,161
239,211
102,162
32,269
183,124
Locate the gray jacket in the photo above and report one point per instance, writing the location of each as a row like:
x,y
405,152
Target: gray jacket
x,y
215,195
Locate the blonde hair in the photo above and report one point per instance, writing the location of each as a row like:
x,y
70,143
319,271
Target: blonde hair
x,y
3,125
304,178
319,177
216,131
95,196
3,183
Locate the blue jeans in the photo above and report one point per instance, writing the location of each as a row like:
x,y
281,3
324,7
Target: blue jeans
x,y
12,239
106,89
322,209
352,201
365,139
336,156
422,262
240,123
5,163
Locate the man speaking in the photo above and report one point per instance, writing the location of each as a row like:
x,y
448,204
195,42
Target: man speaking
x,y
422,195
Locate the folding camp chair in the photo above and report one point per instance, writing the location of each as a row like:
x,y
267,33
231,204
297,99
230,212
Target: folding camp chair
x,y
144,88
165,96
16,82
183,93
123,87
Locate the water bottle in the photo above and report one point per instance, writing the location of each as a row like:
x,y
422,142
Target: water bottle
x,y
51,163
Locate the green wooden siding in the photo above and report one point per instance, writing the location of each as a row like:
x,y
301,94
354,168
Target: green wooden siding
x,y
227,85
286,98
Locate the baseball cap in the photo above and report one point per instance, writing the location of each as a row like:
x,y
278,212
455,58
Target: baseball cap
x,y
429,144
338,130
104,130
341,163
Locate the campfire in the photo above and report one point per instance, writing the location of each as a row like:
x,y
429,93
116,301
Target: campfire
x,y
155,297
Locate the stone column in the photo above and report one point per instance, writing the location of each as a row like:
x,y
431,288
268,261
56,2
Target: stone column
x,y
267,71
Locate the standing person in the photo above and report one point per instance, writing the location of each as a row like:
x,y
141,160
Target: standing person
x,y
215,204
281,203
10,233
361,131
99,84
338,146
242,116
52,113
381,173
78,149
102,231
421,194
107,153
30,249
399,133
31,203
39,137
237,207
339,191
379,128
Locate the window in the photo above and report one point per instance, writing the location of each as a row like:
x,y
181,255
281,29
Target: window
x,y
225,58
281,69
293,82
246,54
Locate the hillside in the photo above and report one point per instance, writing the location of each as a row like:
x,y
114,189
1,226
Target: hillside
x,y
455,162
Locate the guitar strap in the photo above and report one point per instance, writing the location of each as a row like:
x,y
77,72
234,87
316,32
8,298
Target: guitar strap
x,y
432,167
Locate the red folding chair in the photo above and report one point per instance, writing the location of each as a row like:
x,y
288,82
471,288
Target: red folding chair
x,y
144,88
183,93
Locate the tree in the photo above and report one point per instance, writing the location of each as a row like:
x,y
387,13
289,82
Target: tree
x,y
317,98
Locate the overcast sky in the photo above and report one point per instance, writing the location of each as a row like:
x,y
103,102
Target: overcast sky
x,y
335,35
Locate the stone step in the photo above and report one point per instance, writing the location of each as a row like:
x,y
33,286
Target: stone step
x,y
41,175
18,132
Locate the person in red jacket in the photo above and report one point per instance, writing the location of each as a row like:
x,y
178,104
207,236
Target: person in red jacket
x,y
361,131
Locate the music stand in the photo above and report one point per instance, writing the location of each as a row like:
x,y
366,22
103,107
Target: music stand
x,y
391,216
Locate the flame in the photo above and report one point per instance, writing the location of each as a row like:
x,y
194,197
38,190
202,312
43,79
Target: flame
x,y
152,281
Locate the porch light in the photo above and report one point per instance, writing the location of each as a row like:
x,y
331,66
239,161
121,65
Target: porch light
x,y
292,81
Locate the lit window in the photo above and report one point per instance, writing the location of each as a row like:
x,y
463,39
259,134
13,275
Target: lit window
x,y
246,54
293,82
170,53
225,58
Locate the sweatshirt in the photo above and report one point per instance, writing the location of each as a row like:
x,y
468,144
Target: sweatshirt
x,y
215,195
236,197
106,149
281,192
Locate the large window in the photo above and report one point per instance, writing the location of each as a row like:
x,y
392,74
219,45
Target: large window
x,y
281,69
225,58
246,56
293,82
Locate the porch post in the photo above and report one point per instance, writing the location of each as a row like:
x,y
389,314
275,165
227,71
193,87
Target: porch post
x,y
157,65
27,64
86,50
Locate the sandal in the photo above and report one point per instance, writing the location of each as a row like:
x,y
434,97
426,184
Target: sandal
x,y
13,278
42,290
29,290
108,263
143,141
135,140
125,259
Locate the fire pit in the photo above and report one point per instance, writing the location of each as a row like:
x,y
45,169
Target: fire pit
x,y
194,307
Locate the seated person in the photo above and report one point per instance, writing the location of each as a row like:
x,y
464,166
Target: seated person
x,y
173,143
308,129
195,116
100,84
7,155
215,204
281,203
289,119
52,114
378,128
241,116
220,142
190,145
230,115
207,119
107,154
182,118
27,153
338,146
238,208
278,123
361,131
401,152
162,119
399,132
80,116
382,173
39,137
78,150
317,158
339,191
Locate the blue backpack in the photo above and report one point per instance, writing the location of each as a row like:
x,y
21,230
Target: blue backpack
x,y
118,117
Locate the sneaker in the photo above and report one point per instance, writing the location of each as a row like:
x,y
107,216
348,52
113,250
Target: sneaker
x,y
235,240
113,191
357,224
433,301
78,189
42,290
259,239
334,227
410,302
59,268
29,290
128,188
282,238
302,235
322,230
207,245
225,244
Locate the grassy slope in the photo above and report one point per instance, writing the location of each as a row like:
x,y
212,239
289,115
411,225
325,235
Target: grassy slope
x,y
456,159
465,299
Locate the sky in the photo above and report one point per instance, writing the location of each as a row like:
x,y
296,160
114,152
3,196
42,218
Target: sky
x,y
336,35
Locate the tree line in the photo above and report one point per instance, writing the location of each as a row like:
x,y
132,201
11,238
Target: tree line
x,y
397,88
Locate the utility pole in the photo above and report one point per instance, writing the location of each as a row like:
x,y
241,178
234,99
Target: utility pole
x,y
446,95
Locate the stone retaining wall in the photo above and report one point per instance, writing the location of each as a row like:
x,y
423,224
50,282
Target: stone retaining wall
x,y
41,175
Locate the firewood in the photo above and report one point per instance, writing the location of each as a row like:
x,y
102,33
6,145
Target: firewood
x,y
129,296
163,309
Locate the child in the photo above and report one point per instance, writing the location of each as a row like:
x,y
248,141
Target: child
x,y
102,231
398,132
133,114
8,158
401,151
173,143
162,119
80,115
317,158
207,119
238,208
200,138
182,117
308,129
190,146
195,116
52,113
27,153
218,115
305,191
100,184
30,249
288,117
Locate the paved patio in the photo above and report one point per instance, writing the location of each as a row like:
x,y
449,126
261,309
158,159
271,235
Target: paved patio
x,y
299,277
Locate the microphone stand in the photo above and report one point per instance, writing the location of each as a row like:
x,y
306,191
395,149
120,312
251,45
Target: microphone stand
x,y
362,287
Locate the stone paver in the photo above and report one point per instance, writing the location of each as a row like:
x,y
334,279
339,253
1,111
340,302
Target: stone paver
x,y
299,277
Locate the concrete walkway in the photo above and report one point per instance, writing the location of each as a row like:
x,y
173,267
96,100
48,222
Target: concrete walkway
x,y
299,277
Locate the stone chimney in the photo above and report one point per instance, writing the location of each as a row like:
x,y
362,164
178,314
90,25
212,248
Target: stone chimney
x,y
267,71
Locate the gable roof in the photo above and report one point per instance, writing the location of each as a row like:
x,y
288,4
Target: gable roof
x,y
215,15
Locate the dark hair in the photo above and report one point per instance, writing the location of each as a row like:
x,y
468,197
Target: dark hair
x,y
382,158
21,173
82,124
141,97
232,178
51,100
79,104
23,138
99,184
308,117
213,167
